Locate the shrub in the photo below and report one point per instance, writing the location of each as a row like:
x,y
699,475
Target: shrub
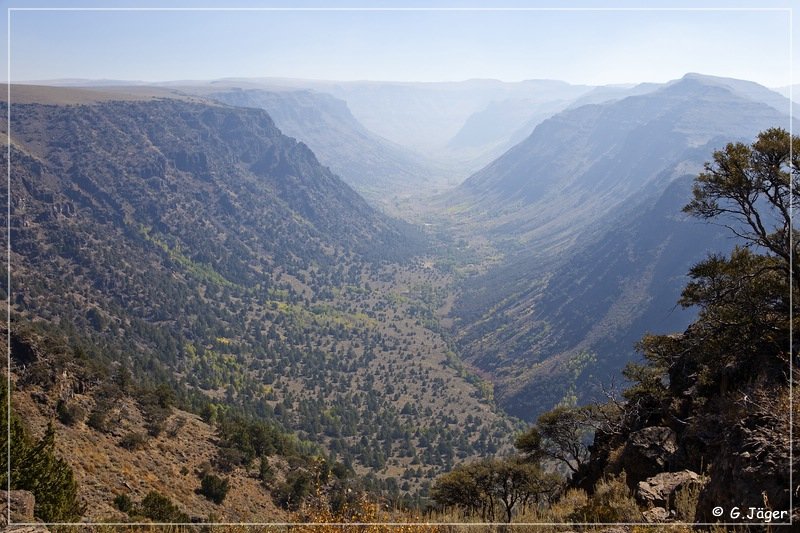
x,y
290,494
69,414
133,440
611,502
97,421
154,427
159,508
265,472
214,488
123,502
176,426
229,458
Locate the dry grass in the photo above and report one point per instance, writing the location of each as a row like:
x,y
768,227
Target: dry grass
x,y
104,470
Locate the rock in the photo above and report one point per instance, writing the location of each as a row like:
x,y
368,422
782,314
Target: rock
x,y
659,490
750,468
22,503
656,514
647,453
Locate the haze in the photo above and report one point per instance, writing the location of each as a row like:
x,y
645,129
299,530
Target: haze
x,y
579,46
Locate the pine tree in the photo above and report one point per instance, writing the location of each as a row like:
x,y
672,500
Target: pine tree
x,y
36,468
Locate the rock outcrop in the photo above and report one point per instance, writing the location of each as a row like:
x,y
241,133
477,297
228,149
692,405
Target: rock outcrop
x,y
659,490
21,504
752,466
670,495
647,453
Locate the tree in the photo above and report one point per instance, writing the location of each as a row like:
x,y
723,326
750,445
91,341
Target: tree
x,y
482,485
36,468
459,488
291,493
517,481
560,434
753,190
530,444
744,299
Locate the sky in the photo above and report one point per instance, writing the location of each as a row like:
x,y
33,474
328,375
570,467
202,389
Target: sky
x,y
586,44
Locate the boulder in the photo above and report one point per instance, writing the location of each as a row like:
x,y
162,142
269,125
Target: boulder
x,y
655,515
647,453
21,502
659,490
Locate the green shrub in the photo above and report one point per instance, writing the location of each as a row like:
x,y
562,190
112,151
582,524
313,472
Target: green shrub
x,y
159,508
290,494
214,488
229,458
36,468
69,414
98,420
265,472
123,502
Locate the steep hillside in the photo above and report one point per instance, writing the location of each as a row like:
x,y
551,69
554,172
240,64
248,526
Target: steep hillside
x,y
370,164
582,164
196,244
564,328
586,213
120,454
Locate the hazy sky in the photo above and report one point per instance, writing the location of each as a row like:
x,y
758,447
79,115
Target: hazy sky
x,y
578,46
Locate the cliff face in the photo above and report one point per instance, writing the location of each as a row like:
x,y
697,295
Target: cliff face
x,y
375,167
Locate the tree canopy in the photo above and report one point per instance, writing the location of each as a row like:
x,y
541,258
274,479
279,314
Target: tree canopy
x,y
753,190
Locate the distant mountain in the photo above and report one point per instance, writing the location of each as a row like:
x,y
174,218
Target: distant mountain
x,y
567,327
748,89
610,93
464,124
785,90
587,213
403,132
425,117
488,133
583,163
372,165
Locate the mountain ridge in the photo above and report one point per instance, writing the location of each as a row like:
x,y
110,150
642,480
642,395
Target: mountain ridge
x,y
581,178
369,163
